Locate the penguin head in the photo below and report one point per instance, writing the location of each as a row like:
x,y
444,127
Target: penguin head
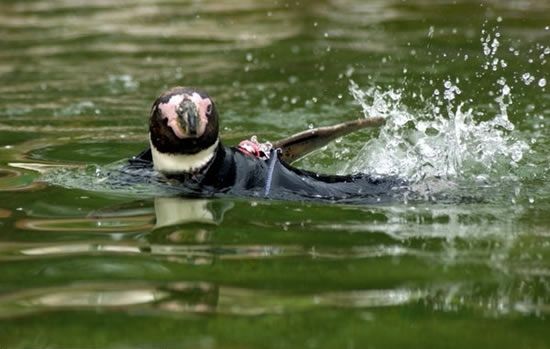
x,y
183,131
183,121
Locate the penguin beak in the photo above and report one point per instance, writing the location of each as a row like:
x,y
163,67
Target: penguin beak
x,y
188,117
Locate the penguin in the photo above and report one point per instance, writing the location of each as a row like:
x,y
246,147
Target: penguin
x,y
185,148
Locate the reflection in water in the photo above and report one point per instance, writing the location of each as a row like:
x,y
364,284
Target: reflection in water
x,y
472,222
92,295
90,298
187,228
108,225
78,249
176,210
257,302
4,213
128,18
201,297
40,168
500,280
105,132
14,180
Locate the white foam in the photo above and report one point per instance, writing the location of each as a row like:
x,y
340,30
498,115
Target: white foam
x,y
431,143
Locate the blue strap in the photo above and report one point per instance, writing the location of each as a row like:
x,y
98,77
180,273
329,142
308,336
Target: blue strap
x,y
270,168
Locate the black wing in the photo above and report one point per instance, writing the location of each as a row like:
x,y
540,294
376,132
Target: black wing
x,y
303,143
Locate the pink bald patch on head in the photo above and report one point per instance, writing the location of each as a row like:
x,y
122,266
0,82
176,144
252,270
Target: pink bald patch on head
x,y
202,106
168,111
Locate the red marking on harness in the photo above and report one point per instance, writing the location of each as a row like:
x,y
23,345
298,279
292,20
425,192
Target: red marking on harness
x,y
254,148
250,148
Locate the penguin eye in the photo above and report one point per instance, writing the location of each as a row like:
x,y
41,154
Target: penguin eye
x,y
209,109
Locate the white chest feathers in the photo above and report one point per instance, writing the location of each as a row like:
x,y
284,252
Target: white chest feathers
x,y
182,163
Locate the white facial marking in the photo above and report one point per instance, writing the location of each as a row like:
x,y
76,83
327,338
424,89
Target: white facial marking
x,y
181,163
169,108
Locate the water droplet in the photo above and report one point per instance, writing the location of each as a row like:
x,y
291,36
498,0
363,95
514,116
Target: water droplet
x,y
349,71
431,31
527,78
542,82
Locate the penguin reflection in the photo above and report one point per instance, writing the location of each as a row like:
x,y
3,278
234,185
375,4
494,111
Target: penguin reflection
x,y
176,210
173,212
180,230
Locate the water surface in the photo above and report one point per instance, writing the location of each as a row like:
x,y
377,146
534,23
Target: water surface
x,y
462,260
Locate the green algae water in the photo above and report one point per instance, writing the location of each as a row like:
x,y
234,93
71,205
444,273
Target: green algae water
x,y
461,260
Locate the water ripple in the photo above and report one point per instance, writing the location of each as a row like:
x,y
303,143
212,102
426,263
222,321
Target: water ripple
x,y
107,225
203,297
14,180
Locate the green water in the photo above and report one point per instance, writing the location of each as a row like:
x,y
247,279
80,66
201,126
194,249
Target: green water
x,y
86,266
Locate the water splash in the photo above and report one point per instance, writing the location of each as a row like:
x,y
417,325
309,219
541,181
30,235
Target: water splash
x,y
448,137
435,143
